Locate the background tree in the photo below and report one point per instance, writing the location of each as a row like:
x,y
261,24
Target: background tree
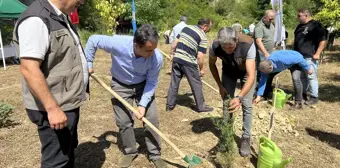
x,y
329,14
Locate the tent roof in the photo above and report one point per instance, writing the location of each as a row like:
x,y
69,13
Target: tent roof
x,y
11,8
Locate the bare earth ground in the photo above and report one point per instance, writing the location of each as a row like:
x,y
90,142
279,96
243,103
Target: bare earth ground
x,y
310,136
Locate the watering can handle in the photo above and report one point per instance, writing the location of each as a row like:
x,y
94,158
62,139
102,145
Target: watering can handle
x,y
279,90
268,141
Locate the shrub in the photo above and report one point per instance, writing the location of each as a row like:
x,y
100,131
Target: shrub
x,y
5,111
225,146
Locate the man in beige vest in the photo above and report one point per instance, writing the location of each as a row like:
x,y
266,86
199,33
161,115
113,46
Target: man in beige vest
x,y
55,76
237,52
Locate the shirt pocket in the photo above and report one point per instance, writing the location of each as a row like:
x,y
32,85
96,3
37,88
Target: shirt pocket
x,y
140,67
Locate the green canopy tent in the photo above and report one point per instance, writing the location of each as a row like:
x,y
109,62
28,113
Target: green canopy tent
x,y
9,9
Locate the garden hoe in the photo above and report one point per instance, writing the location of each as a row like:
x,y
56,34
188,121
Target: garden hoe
x,y
211,87
191,160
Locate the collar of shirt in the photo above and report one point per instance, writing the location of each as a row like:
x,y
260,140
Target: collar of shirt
x,y
55,8
200,28
274,65
263,24
131,51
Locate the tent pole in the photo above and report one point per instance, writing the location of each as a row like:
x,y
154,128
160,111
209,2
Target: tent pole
x,y
2,51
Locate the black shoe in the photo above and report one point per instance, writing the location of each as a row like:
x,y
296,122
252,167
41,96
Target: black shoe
x,y
245,147
296,106
304,96
205,109
312,101
168,108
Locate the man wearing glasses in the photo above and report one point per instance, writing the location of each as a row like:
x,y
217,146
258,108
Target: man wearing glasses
x,y
310,40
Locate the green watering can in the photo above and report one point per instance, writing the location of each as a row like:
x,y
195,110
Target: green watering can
x,y
270,155
281,98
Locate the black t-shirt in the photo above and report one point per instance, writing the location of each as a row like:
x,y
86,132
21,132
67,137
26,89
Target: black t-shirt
x,y
308,36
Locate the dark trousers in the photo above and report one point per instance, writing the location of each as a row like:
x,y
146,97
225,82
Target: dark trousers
x,y
194,79
296,73
57,146
125,119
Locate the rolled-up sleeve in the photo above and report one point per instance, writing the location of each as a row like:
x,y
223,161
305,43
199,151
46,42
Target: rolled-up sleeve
x,y
152,79
103,42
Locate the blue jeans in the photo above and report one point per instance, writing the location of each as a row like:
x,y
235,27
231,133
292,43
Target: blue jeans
x,y
310,82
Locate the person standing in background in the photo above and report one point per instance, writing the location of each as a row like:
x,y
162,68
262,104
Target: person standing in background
x,y
264,38
176,30
310,40
188,50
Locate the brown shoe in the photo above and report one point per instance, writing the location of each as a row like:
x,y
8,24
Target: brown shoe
x,y
296,106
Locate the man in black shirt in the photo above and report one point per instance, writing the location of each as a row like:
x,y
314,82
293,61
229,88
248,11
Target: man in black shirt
x,y
310,40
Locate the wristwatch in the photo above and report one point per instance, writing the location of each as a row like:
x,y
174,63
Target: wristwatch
x,y
240,98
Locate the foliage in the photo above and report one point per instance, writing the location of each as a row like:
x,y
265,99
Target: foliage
x,y
5,111
147,11
164,14
6,27
109,10
330,13
235,12
100,15
290,8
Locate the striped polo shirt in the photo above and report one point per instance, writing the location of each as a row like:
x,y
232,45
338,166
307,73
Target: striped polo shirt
x,y
192,40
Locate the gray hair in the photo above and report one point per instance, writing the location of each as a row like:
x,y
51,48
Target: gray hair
x,y
269,12
183,18
266,67
237,27
227,35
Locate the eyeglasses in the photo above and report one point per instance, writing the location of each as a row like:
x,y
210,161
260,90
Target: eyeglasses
x,y
300,16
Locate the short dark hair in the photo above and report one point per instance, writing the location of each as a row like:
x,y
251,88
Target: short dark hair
x,y
203,21
146,33
304,10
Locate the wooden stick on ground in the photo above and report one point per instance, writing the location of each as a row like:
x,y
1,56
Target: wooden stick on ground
x,y
272,111
147,122
211,87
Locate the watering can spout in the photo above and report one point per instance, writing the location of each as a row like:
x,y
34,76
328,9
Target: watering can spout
x,y
284,163
288,97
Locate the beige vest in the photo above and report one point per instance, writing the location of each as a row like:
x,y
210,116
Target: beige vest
x,y
62,66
